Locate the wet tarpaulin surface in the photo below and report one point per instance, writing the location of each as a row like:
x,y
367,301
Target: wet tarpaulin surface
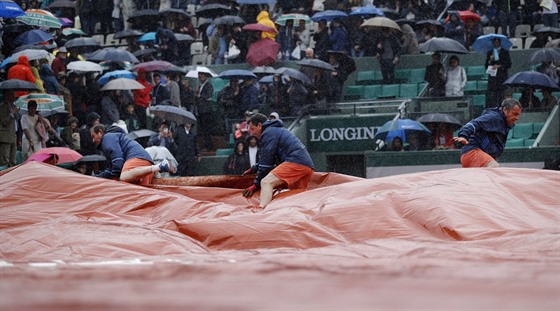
x,y
452,239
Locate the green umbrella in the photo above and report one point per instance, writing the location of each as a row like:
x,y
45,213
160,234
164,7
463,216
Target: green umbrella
x,y
73,31
40,18
45,102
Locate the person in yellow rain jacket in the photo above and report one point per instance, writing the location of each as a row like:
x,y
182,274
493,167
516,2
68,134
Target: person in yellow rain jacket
x,y
264,19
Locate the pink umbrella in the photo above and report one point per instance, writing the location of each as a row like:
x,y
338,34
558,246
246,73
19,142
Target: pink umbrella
x,y
65,21
263,52
154,65
65,155
259,27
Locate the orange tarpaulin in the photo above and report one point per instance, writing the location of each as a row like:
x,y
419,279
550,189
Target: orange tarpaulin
x,y
459,238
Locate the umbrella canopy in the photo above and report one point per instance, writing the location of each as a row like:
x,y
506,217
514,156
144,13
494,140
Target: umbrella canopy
x,y
401,128
483,44
48,113
65,155
129,33
66,22
465,15
294,74
544,55
263,52
113,55
546,30
440,118
92,158
174,14
115,75
144,52
45,102
84,66
429,22
365,11
259,27
154,65
173,114
316,63
149,36
264,70
176,69
328,15
29,47
183,37
140,133
281,20
83,42
192,71
122,84
33,37
532,78
237,74
381,21
18,85
67,32
212,10
39,18
31,55
228,20
143,15
444,45
270,79
10,9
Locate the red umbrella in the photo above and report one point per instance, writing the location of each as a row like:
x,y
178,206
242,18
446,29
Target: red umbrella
x,y
155,65
466,15
65,155
259,27
263,52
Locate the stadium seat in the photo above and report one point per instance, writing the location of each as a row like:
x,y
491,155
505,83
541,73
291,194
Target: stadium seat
x,y
365,77
537,26
517,43
416,75
481,86
522,30
523,130
354,92
479,100
224,151
515,142
402,75
537,127
191,9
371,91
408,90
111,41
475,72
390,90
99,38
198,59
528,142
470,87
516,96
529,41
488,30
197,48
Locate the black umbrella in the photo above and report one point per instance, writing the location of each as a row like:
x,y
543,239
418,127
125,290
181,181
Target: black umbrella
x,y
82,43
444,45
173,114
440,118
316,63
144,52
532,78
92,158
129,33
62,4
28,47
174,14
143,16
212,10
113,55
547,30
228,20
16,84
434,22
237,74
294,74
183,37
176,69
140,133
544,55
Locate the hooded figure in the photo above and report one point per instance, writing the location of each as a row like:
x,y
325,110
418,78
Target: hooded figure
x,y
49,80
410,43
455,28
264,19
21,71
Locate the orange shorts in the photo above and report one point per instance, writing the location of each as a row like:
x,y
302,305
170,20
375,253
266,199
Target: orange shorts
x,y
296,176
476,158
136,162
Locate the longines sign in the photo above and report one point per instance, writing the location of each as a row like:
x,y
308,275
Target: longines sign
x,y
343,134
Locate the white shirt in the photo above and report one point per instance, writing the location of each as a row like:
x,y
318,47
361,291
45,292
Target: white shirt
x,y
253,155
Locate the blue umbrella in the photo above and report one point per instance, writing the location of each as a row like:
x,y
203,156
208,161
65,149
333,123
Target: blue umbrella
x,y
32,37
401,128
483,44
10,9
269,79
367,11
115,75
237,74
149,36
328,15
532,78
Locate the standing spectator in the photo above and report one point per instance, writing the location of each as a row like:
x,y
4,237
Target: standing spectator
x,y
77,89
549,13
343,67
86,144
64,91
110,113
264,19
21,71
187,94
339,36
435,76
409,41
304,36
93,94
159,91
277,96
238,161
240,39
85,9
173,89
508,13
388,52
103,12
130,118
71,134
498,58
49,80
58,64
287,38
8,128
249,93
187,154
31,141
229,98
34,65
167,42
142,97
455,28
322,41
455,78
164,138
203,100
218,45
297,94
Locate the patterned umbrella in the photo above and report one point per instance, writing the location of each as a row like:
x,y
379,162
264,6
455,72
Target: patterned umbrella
x,y
296,17
39,18
45,102
115,75
10,9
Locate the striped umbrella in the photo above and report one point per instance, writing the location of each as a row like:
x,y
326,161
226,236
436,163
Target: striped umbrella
x,y
45,102
296,17
40,18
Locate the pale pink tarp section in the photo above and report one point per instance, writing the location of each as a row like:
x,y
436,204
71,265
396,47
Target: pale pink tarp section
x,y
461,238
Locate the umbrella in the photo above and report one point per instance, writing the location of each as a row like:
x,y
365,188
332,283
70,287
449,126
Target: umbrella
x,y
65,155
483,44
328,15
440,118
259,27
270,79
183,37
228,20
263,52
381,21
115,75
92,158
389,13
154,65
17,85
10,9
532,78
31,55
465,15
73,32
294,74
429,22
83,42
444,45
129,33
366,11
48,113
174,14
544,55
113,55
175,68
140,133
39,18
264,70
84,65
316,63
45,102
281,20
212,10
173,114
62,4
237,74
144,52
141,16
29,47
546,30
122,84
192,71
401,128
65,21
269,2
149,36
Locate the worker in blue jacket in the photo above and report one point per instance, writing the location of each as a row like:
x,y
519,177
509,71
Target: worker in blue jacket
x,y
284,161
485,137
129,161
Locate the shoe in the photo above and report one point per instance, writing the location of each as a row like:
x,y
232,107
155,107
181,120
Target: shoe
x,y
166,167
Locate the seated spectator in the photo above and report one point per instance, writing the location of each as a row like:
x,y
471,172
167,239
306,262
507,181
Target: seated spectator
x,y
435,76
396,144
130,118
455,78
164,138
442,137
238,161
253,149
528,99
548,100
71,134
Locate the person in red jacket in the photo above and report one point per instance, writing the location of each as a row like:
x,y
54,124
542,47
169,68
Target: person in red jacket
x,y
58,64
142,98
21,71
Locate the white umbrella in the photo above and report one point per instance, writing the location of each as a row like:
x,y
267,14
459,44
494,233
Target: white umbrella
x,y
194,70
380,21
84,65
122,84
31,54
